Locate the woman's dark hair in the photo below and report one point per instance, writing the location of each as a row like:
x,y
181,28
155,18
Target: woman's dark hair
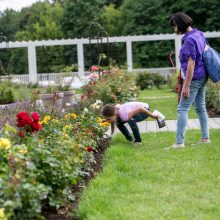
x,y
182,21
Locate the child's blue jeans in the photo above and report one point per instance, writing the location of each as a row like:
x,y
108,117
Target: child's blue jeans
x,y
132,123
197,95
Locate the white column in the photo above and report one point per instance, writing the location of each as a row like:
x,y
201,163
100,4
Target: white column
x,y
178,45
129,55
80,57
32,63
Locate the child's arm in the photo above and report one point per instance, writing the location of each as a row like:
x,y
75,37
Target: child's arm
x,y
141,110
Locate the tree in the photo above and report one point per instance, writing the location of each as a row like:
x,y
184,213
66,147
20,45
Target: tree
x,y
117,3
112,20
9,23
41,21
78,15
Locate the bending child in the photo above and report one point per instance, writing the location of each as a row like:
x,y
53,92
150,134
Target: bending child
x,y
130,112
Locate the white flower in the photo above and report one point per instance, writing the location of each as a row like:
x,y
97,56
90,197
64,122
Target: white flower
x,y
68,104
86,110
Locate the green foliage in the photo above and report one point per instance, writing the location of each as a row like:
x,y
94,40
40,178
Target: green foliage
x,y
41,21
112,20
116,86
213,95
11,92
9,23
148,80
71,18
173,81
77,16
40,168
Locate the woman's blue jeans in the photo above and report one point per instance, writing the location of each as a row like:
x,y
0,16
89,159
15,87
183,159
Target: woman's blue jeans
x,y
197,96
132,123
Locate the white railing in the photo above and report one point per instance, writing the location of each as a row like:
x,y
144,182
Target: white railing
x,y
77,81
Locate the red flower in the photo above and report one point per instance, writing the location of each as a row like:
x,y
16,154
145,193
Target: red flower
x,y
36,126
90,149
35,116
21,134
23,119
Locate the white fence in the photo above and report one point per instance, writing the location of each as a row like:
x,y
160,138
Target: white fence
x,y
32,56
77,81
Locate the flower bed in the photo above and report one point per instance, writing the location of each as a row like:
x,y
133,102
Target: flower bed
x,y
42,160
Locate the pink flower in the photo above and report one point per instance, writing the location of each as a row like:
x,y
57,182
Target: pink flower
x,y
93,68
93,76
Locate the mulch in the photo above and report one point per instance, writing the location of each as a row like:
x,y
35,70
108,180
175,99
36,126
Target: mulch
x,y
67,212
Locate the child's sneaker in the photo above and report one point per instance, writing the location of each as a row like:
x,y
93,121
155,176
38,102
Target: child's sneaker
x,y
175,146
136,143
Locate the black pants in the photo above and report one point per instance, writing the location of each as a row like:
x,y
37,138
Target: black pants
x,y
132,123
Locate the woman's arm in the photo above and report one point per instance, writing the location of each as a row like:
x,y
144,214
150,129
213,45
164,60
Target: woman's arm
x,y
141,110
189,76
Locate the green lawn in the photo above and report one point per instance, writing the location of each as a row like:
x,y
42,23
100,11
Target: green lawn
x,y
163,100
149,182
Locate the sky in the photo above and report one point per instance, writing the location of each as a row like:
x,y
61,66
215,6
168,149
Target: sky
x,y
17,5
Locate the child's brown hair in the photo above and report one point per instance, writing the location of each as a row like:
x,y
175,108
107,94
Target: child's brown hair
x,y
109,110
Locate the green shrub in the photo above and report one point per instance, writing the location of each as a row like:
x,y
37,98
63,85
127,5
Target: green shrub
x,y
144,81
6,95
173,81
12,92
158,80
116,86
148,80
212,95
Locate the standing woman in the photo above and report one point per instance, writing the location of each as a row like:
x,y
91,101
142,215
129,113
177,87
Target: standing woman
x,y
194,77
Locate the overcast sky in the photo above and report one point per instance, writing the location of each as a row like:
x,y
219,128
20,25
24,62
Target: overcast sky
x,y
16,4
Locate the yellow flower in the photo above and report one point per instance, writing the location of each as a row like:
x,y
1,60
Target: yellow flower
x,y
73,116
99,120
66,116
2,214
42,140
105,124
67,127
23,151
45,120
5,143
65,136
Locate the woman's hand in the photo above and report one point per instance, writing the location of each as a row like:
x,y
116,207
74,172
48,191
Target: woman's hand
x,y
185,91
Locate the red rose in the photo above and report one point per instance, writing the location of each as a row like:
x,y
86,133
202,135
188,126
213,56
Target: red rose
x,y
21,134
90,149
23,119
36,126
35,116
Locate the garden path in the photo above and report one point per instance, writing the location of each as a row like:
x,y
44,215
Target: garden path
x,y
151,126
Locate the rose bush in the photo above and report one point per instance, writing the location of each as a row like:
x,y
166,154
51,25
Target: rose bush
x,y
42,159
115,86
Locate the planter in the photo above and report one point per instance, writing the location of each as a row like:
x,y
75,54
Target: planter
x,y
68,98
52,102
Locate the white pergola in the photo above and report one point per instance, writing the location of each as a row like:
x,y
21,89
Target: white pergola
x,y
32,56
